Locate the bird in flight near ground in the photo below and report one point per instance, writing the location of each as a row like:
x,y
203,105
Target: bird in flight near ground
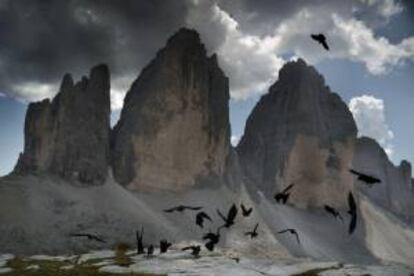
x,y
246,211
213,238
283,196
368,179
89,236
181,208
333,212
231,215
150,250
200,217
195,250
321,39
291,231
253,234
352,212
140,245
164,245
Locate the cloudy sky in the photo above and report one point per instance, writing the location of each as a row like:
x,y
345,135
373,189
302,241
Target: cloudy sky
x,y
370,63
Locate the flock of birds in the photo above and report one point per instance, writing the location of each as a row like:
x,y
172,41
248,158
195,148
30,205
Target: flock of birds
x,y
212,238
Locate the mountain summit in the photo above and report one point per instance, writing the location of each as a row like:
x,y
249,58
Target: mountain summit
x,y
302,133
69,136
174,128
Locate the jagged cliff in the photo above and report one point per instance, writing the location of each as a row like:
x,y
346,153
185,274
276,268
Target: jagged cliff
x,y
69,136
396,190
302,133
174,128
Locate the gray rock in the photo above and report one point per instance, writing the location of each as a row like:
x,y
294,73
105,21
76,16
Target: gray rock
x,y
302,133
174,128
69,136
395,192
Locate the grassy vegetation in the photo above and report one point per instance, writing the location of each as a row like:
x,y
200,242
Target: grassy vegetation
x,y
121,257
54,268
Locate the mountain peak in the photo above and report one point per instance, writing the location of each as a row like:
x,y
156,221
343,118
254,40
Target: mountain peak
x,y
299,120
176,108
185,35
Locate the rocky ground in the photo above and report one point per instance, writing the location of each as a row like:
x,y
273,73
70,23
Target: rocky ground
x,y
177,262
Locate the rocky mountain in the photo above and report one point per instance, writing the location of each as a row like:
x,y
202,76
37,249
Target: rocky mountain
x,y
69,136
174,128
396,190
302,133
173,135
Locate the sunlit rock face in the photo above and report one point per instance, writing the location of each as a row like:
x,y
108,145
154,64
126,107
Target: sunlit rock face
x,y
174,128
69,136
302,133
396,190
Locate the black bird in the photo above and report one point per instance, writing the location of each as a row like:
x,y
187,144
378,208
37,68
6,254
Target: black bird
x,y
213,238
140,245
164,245
231,215
352,212
181,208
200,218
291,231
368,179
246,212
333,212
195,250
89,236
253,234
321,39
150,250
283,196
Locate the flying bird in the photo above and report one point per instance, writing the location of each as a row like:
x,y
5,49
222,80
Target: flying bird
x,y
89,236
333,212
283,196
246,212
150,250
200,217
231,215
195,250
291,231
368,179
181,208
321,39
213,238
352,212
253,234
140,245
164,245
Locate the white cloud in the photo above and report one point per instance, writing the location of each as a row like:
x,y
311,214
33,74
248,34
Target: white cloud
x,y
119,88
248,60
385,8
234,140
358,42
34,91
369,115
253,61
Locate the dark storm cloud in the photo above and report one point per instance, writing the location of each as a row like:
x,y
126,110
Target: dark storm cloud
x,y
41,40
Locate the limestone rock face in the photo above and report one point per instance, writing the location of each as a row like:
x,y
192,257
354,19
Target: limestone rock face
x,y
396,190
302,133
174,127
69,136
